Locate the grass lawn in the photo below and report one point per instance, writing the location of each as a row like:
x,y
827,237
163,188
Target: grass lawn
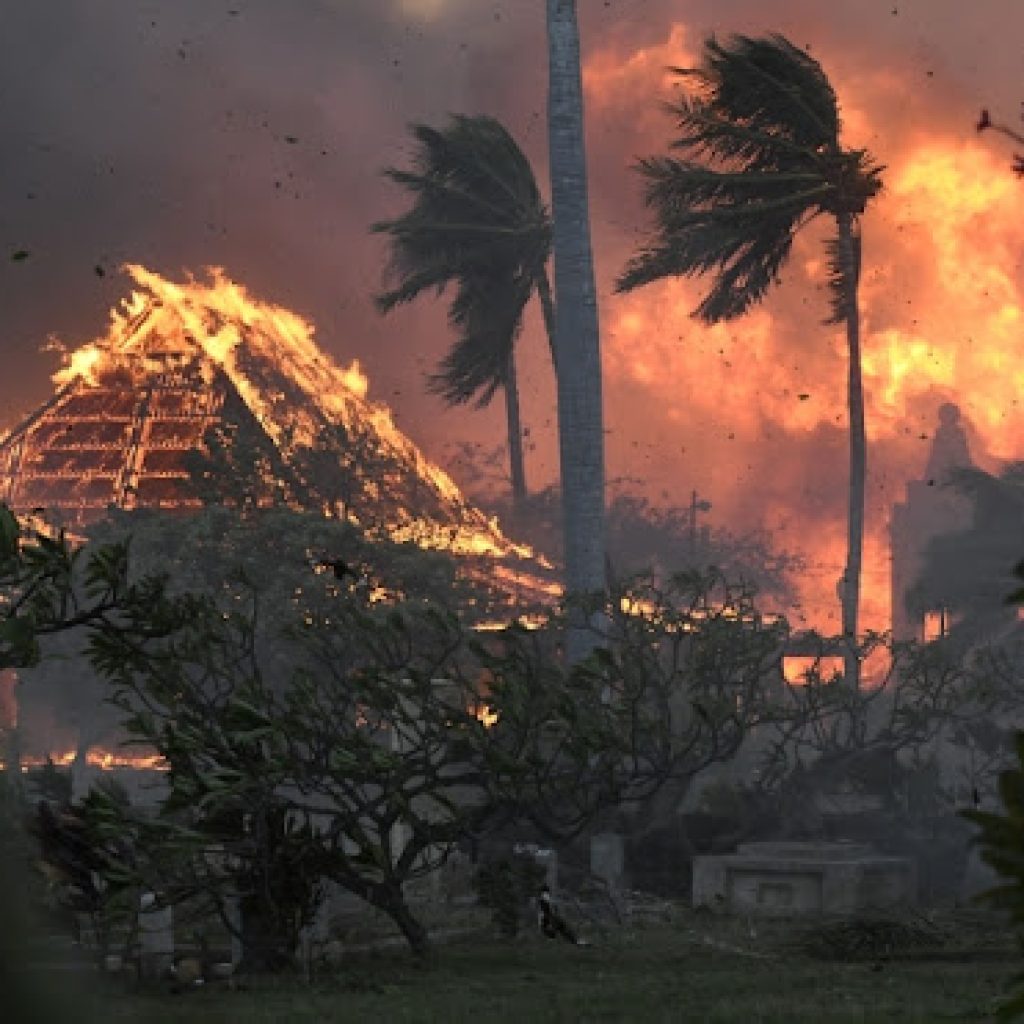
x,y
696,968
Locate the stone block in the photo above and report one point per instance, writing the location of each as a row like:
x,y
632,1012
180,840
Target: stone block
x,y
156,938
608,858
784,879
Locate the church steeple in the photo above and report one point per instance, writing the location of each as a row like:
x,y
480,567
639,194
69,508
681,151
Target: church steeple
x,y
949,447
930,508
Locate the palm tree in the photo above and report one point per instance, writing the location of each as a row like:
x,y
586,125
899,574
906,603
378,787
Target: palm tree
x,y
761,159
477,222
577,339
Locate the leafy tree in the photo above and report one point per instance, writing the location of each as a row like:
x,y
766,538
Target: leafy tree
x,y
73,856
762,158
1001,839
48,587
1002,846
643,536
398,732
577,337
478,223
875,739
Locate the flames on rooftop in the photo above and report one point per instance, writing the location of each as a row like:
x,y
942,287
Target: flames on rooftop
x,y
181,358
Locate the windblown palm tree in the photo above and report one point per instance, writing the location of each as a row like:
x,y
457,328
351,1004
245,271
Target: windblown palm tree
x,y
577,339
477,222
761,158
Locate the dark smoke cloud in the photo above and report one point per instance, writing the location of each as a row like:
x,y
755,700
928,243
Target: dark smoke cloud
x,y
251,135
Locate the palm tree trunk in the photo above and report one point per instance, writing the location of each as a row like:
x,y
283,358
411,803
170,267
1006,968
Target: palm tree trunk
x,y
547,307
849,252
577,340
517,468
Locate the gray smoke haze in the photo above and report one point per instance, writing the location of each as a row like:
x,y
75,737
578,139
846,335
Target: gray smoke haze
x,y
251,135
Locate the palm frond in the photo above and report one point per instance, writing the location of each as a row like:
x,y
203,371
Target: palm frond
x,y
477,224
674,183
475,203
412,283
747,259
705,131
710,220
487,314
760,157
769,82
477,159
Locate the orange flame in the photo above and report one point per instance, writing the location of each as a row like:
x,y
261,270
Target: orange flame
x,y
485,715
106,760
225,321
758,405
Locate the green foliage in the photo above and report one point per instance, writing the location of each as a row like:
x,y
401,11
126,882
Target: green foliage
x,y
75,854
397,732
878,740
870,938
1001,835
506,885
48,587
1001,839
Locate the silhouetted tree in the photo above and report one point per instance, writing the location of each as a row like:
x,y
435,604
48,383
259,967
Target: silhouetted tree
x,y
762,158
478,223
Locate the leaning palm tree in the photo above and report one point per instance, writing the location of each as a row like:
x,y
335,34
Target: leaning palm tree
x,y
477,222
577,339
761,157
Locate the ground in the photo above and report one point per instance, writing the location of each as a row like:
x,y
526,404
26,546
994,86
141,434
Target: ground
x,y
692,968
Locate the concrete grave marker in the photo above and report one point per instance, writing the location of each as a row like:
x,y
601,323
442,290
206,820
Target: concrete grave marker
x,y
156,937
608,859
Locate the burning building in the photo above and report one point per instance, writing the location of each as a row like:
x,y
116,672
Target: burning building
x,y
930,508
181,359
182,363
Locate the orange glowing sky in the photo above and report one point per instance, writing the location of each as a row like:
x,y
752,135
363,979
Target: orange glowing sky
x,y
941,309
163,139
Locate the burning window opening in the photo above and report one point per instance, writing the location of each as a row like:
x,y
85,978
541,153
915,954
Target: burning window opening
x,y
801,669
936,624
